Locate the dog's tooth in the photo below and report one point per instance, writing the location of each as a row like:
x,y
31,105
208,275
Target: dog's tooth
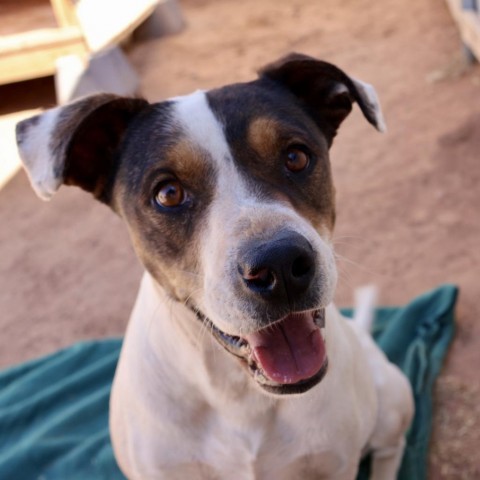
x,y
240,342
245,350
260,377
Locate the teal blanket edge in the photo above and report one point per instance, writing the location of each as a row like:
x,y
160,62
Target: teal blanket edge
x,y
54,410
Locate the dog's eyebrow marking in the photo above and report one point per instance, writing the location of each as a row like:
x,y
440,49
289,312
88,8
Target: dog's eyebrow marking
x,y
263,134
198,121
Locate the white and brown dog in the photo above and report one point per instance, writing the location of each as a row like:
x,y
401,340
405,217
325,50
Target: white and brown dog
x,y
235,364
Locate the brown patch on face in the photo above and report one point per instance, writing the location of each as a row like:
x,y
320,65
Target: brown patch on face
x,y
262,135
187,160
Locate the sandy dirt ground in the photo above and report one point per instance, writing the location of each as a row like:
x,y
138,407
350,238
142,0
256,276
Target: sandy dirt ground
x,y
408,201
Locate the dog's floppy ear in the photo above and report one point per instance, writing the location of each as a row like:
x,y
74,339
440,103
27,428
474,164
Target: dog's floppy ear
x,y
76,144
325,90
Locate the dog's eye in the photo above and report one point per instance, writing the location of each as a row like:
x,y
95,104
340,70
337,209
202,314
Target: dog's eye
x,y
297,160
170,194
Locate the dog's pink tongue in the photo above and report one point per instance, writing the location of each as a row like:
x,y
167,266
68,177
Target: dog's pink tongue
x,y
291,350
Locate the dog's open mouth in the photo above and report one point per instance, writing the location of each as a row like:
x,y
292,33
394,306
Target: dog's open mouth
x,y
288,356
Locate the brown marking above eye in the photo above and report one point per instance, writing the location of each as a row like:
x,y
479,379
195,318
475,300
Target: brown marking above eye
x,y
263,135
170,193
296,160
269,137
179,175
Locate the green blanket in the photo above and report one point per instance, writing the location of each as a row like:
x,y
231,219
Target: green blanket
x,y
54,410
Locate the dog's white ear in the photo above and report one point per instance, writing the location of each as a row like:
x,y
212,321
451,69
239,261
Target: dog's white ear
x,y
326,91
75,144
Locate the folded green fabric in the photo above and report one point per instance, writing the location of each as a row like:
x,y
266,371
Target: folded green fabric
x,y
54,410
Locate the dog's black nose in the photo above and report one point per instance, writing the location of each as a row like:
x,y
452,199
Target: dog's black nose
x,y
283,267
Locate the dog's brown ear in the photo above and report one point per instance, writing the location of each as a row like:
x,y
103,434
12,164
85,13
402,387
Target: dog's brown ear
x,y
325,91
76,144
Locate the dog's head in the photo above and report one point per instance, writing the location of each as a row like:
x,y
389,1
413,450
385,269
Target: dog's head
x,y
228,198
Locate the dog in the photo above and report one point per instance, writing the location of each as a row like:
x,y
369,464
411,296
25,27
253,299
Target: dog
x,y
235,363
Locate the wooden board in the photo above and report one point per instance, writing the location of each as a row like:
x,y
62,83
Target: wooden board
x,y
469,25
19,16
64,12
107,22
89,26
33,54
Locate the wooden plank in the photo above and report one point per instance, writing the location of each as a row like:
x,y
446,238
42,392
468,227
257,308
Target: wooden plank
x,y
470,31
33,54
41,38
469,25
108,22
64,11
25,15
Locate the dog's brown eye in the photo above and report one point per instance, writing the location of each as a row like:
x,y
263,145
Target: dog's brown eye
x,y
297,160
170,194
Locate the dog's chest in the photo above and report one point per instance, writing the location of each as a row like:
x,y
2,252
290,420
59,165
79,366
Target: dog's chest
x,y
270,447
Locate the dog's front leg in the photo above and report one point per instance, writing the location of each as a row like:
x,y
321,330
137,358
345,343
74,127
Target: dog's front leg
x,y
386,461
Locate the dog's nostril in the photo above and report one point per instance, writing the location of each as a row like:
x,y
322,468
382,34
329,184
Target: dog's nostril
x,y
301,266
261,278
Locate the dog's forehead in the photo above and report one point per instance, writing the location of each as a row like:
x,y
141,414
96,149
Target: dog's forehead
x,y
240,116
199,125
236,135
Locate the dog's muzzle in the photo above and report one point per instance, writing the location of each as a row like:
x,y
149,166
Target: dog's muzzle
x,y
289,356
277,275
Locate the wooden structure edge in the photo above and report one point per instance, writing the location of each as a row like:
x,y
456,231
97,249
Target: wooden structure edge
x,y
468,22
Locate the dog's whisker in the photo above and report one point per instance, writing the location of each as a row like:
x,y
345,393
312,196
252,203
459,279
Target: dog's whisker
x,y
342,258
191,294
348,244
345,274
344,278
188,272
355,240
206,330
205,325
341,237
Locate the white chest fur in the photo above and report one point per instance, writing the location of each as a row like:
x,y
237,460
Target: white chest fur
x,y
182,408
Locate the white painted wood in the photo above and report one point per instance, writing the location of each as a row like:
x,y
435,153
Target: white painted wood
x,y
108,22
